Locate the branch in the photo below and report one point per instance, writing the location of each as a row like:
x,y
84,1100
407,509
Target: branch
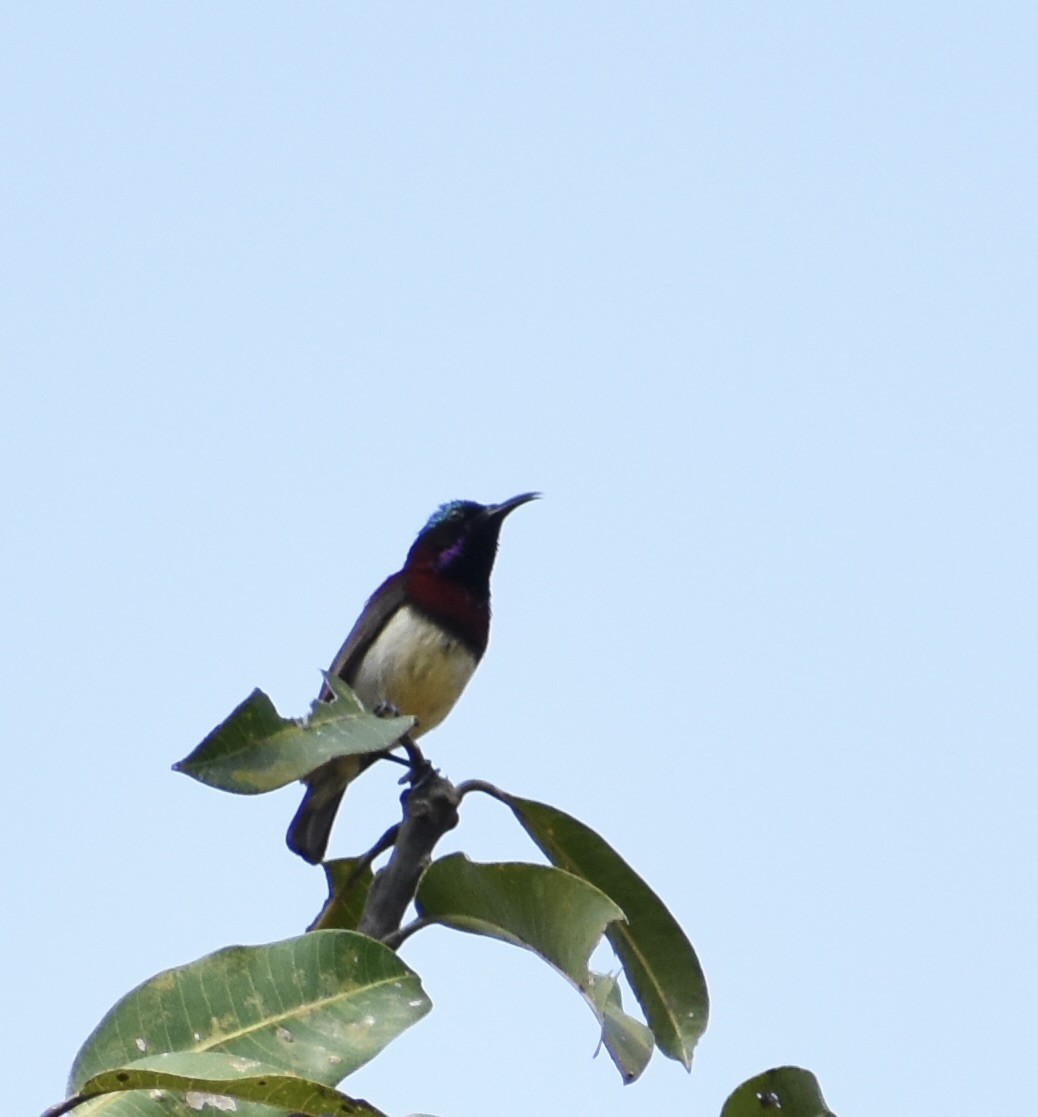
x,y
430,810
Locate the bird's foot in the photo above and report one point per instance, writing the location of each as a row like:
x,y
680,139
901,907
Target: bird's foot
x,y
418,774
418,768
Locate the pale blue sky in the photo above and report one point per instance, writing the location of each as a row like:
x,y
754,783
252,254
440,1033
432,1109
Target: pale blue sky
x,y
749,291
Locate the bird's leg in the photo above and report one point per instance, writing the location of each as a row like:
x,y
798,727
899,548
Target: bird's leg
x,y
388,710
387,755
419,769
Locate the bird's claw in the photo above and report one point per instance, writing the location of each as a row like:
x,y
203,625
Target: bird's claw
x,y
418,774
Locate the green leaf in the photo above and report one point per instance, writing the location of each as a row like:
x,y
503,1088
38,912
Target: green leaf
x,y
167,1103
550,912
628,1041
207,1077
317,1006
347,893
256,750
658,959
783,1091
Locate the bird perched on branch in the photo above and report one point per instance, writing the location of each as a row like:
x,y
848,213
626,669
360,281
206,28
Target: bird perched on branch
x,y
414,646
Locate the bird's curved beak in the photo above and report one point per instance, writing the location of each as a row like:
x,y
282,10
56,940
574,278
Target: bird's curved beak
x,y
497,512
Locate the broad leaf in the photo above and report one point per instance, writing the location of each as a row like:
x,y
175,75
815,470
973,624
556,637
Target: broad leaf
x,y
783,1092
628,1041
167,1103
658,959
550,912
317,1006
202,1080
347,893
256,750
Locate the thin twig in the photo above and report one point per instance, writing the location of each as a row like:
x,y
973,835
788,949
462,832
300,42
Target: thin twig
x,y
395,938
366,859
481,785
65,1106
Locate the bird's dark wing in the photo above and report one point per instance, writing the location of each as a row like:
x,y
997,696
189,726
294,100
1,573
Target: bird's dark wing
x,y
382,604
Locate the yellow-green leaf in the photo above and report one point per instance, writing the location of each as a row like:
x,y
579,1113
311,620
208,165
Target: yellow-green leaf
x,y
550,912
347,892
205,1079
256,750
627,1040
317,1006
658,959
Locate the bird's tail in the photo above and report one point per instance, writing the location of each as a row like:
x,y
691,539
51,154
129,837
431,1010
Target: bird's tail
x,y
309,831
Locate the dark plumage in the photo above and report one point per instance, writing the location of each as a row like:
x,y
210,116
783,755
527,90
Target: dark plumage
x,y
415,645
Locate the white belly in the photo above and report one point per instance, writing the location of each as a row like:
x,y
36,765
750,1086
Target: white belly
x,y
413,666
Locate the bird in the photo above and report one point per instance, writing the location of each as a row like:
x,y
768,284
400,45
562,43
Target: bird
x,y
414,646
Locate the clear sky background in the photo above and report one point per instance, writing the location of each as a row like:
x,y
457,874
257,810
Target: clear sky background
x,y
749,291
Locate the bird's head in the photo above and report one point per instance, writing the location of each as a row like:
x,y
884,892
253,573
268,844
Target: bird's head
x,y
459,541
